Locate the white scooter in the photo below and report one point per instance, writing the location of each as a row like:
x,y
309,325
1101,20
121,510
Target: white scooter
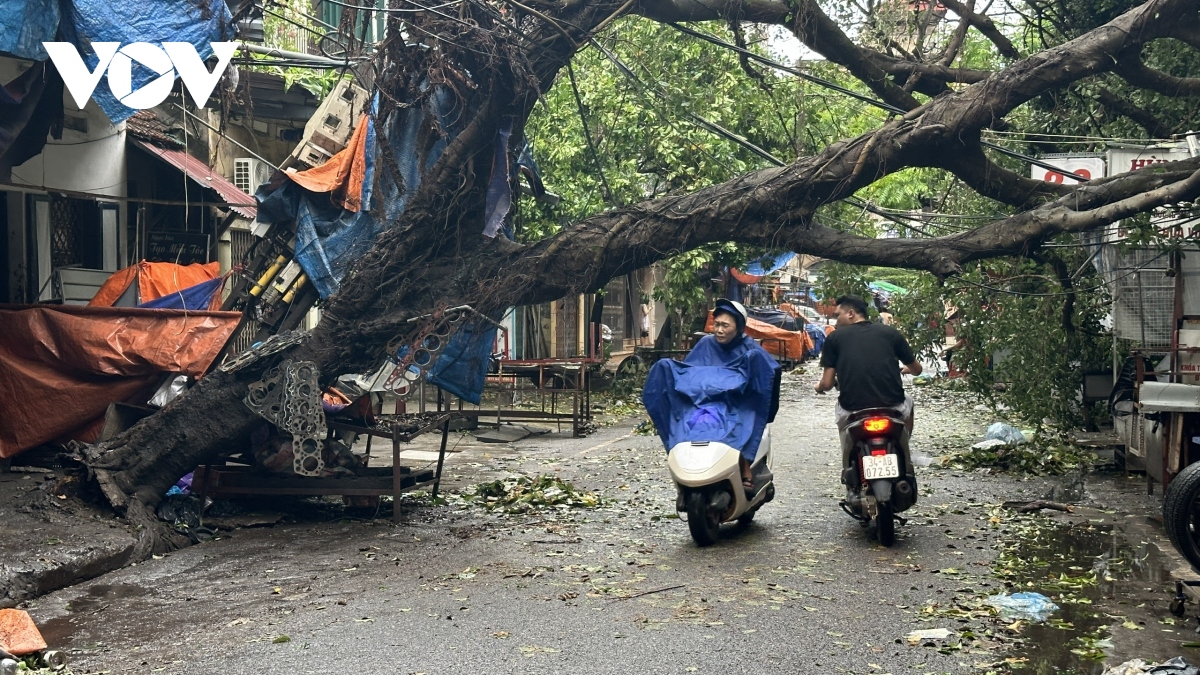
x,y
709,481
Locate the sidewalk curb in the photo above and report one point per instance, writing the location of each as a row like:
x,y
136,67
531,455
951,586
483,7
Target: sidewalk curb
x,y
45,576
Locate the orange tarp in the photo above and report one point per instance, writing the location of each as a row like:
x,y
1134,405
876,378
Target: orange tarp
x,y
783,344
156,280
62,365
343,174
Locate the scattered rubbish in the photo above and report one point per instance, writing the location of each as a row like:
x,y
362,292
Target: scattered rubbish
x,y
922,459
54,659
646,428
921,380
523,493
9,667
184,513
1175,666
1005,432
181,510
919,636
1029,606
988,444
183,486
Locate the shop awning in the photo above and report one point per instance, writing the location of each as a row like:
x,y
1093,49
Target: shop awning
x,y
240,202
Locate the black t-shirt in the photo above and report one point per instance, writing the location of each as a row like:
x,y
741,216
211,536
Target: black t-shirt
x,y
865,356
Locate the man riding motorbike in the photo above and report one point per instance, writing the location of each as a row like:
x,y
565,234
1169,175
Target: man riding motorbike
x,y
733,396
863,356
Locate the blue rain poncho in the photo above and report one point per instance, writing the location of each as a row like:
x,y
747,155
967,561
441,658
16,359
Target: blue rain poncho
x,y
718,393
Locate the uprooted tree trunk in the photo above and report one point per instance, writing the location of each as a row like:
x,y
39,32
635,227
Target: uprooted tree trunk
x,y
434,256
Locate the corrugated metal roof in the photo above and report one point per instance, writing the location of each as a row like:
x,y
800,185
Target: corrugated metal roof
x,y
239,201
144,125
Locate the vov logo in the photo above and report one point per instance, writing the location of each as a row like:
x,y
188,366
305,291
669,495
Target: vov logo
x,y
171,60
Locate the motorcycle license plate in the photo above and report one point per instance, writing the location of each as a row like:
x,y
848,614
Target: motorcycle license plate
x,y
882,466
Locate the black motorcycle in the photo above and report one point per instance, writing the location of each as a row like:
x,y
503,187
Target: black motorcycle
x,y
879,480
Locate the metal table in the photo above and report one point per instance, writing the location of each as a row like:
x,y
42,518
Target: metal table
x,y
230,481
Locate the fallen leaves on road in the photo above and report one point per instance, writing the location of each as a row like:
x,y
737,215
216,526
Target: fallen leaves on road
x,y
524,493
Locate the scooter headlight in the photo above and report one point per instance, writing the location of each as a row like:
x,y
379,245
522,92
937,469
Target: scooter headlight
x,y
699,458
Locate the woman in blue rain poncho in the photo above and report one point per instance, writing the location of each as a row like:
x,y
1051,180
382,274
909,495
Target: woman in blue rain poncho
x,y
724,391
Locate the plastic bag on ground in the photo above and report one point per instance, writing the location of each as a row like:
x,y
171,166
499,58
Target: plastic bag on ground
x,y
1176,666
1028,606
917,636
1004,432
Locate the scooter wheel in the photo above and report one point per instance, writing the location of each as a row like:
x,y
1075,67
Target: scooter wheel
x,y
885,525
703,522
1181,513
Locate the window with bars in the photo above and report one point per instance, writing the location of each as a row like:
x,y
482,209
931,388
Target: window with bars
x,y
76,237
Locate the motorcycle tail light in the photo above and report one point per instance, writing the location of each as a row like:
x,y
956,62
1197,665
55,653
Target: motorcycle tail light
x,y
876,425
878,453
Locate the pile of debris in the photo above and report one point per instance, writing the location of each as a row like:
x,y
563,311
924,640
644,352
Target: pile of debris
x,y
521,494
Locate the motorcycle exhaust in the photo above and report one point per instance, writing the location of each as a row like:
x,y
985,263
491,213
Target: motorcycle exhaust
x,y
904,497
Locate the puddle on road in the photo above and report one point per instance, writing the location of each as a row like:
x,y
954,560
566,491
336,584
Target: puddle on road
x,y
1131,584
60,630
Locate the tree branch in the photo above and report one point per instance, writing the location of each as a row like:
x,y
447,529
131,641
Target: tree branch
x,y
1138,74
584,257
993,181
984,25
1143,118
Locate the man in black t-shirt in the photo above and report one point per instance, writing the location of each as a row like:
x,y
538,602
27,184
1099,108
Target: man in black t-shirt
x,y
865,356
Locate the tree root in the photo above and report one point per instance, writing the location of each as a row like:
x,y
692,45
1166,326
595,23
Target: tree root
x,y
154,537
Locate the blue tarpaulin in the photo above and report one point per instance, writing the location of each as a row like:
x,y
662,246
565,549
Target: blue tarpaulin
x,y
817,334
462,367
718,393
768,263
26,24
329,238
195,298
199,22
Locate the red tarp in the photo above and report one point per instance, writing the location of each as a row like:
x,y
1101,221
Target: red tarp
x,y
782,343
62,365
156,280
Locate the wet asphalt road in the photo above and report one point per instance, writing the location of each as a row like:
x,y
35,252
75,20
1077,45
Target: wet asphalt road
x,y
617,589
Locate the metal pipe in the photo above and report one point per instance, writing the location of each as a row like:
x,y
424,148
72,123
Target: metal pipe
x,y
267,276
295,56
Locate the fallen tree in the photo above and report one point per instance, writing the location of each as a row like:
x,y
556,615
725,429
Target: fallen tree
x,y
498,58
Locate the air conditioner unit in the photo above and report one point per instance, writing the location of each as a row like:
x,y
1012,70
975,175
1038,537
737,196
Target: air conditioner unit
x,y
249,173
